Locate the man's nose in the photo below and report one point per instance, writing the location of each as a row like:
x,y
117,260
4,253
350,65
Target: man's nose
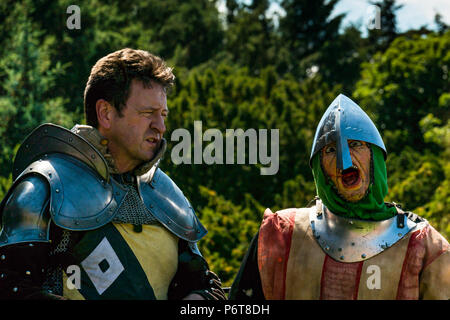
x,y
158,124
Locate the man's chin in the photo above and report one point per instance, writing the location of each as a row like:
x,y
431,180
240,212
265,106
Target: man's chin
x,y
148,157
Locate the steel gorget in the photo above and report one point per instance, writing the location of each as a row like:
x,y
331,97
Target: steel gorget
x,y
354,240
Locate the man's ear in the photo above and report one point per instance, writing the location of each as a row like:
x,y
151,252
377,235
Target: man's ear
x,y
104,113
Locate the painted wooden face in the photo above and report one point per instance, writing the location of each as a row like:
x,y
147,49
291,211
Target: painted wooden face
x,y
352,183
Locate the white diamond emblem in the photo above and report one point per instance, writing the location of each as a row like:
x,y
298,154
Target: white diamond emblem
x,y
103,254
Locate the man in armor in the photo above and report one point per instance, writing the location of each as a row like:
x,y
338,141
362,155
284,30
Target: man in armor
x,y
349,244
90,215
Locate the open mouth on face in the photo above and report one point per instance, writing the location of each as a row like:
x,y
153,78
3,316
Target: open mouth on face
x,y
152,141
350,177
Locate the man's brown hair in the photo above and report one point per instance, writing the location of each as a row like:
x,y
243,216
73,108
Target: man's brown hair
x,y
111,77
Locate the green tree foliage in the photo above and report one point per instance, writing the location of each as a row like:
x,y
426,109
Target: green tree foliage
x,y
28,79
243,69
167,28
406,90
250,40
382,38
229,232
232,98
404,84
305,29
437,132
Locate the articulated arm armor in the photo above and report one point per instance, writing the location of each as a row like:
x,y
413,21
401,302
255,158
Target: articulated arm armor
x,y
25,240
193,276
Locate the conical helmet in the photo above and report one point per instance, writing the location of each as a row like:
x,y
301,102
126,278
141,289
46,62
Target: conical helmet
x,y
344,120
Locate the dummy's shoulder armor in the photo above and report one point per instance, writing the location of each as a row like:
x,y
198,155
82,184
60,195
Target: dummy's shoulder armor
x,y
354,240
167,203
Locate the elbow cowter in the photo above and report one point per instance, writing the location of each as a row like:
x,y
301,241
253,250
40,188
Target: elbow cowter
x,y
24,238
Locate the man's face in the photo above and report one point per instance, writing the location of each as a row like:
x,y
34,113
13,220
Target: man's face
x,y
351,183
135,137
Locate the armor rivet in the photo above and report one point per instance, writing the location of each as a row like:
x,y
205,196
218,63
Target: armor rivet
x,y
399,234
70,139
2,275
3,257
327,248
97,220
76,222
93,156
57,190
186,233
363,256
30,245
45,131
27,146
169,222
15,289
27,272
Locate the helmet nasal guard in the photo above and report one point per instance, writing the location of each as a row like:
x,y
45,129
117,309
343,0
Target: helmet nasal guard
x,y
344,120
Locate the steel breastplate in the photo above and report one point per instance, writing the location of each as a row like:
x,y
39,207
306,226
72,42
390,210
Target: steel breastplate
x,y
354,240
